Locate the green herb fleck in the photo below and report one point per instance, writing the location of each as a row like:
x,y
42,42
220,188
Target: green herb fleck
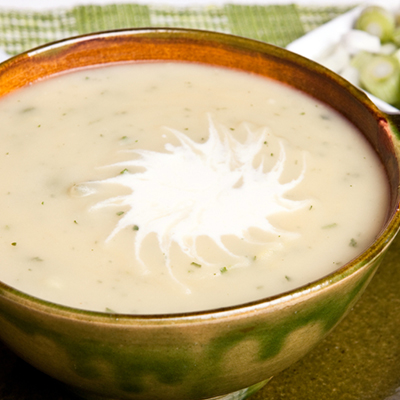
x,y
120,213
95,121
27,109
310,207
334,225
272,154
37,259
288,278
13,243
135,228
353,242
75,222
110,310
124,171
223,270
196,264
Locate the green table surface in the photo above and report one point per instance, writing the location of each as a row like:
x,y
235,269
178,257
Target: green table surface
x,y
360,360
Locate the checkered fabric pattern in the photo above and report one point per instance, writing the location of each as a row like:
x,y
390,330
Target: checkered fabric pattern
x,y
276,24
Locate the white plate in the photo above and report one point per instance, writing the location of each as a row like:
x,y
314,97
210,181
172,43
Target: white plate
x,y
3,55
319,42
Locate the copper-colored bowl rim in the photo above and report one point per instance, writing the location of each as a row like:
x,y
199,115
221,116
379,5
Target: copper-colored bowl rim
x,y
382,241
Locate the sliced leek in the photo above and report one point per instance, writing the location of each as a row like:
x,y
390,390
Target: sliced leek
x,y
377,21
361,59
388,48
355,40
381,77
396,36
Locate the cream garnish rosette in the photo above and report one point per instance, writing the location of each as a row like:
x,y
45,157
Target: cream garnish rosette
x,y
213,188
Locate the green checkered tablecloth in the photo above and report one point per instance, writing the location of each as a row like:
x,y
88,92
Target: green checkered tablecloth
x,y
277,24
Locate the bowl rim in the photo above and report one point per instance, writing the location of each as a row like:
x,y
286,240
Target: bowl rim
x,y
383,238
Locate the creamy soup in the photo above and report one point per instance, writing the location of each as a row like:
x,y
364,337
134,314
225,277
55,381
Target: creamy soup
x,y
173,187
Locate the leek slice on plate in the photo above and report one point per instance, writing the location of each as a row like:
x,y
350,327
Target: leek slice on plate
x,y
381,77
378,22
361,59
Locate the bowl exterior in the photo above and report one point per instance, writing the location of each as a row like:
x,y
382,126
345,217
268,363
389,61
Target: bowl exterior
x,y
198,355
182,358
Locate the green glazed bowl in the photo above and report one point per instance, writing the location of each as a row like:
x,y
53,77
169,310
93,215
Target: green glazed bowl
x,y
219,354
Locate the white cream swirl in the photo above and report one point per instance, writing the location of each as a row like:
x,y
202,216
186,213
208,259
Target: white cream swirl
x,y
202,189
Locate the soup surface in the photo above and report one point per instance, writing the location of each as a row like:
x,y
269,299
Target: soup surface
x,y
167,187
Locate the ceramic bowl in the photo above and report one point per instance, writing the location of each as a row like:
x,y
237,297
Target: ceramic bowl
x,y
219,354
